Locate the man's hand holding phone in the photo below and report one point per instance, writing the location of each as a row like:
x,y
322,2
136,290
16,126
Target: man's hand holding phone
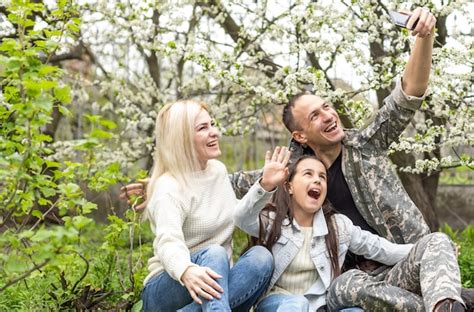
x,y
421,21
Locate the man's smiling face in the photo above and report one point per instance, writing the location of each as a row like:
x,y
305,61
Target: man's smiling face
x,y
319,122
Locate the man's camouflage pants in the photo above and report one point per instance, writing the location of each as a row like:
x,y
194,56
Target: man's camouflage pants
x,y
429,274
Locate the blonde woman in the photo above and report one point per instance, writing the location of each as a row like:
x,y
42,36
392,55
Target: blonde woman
x,y
190,211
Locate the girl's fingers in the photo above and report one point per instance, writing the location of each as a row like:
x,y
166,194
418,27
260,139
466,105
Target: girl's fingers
x,y
281,154
268,156
276,151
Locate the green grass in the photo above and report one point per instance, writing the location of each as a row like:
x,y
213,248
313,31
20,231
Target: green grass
x,y
465,240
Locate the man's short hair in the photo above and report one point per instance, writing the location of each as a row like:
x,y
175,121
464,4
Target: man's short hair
x,y
288,118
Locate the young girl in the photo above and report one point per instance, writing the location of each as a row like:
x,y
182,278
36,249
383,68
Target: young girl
x,y
190,212
309,243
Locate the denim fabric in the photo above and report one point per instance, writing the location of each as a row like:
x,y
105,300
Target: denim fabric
x,y
242,284
290,303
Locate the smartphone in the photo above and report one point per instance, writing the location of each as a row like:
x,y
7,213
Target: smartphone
x,y
401,19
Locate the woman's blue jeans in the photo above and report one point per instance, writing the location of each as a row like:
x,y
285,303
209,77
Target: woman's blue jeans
x,y
243,284
289,303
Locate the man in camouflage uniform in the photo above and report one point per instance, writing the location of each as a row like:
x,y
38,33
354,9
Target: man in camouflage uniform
x,y
363,184
383,203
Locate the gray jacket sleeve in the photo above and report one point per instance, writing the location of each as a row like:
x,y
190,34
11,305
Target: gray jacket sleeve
x,y
369,245
248,209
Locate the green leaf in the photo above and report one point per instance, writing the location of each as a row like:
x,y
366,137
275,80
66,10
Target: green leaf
x,y
93,119
64,110
40,43
44,202
52,33
109,124
8,44
43,103
52,164
73,27
57,13
88,207
41,235
100,134
38,214
86,144
40,85
70,189
63,94
47,69
51,45
79,222
48,191
42,138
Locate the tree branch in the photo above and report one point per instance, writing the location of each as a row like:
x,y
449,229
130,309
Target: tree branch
x,y
180,65
24,275
234,31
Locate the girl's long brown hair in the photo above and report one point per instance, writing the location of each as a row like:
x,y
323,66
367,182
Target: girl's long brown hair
x,y
282,208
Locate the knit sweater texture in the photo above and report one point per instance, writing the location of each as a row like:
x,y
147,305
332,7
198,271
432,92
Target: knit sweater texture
x,y
187,219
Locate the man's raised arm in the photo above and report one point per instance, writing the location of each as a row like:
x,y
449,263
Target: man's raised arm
x,y
417,70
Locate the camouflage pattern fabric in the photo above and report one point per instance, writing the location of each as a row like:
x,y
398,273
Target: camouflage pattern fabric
x,y
242,181
429,274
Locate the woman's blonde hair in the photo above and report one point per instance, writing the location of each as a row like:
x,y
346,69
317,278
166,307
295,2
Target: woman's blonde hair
x,y
175,153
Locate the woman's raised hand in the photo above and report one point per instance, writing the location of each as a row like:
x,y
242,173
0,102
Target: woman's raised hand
x,y
275,170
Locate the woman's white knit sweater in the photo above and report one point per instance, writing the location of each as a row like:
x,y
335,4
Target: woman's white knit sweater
x,y
185,220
